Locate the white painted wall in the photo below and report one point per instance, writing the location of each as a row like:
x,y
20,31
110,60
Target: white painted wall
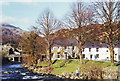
x,y
104,53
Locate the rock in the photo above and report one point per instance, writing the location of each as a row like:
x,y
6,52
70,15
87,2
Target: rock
x,y
76,77
6,72
71,77
23,73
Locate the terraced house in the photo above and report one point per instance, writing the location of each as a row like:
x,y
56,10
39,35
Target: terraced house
x,y
90,52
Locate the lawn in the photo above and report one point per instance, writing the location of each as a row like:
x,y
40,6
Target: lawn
x,y
70,65
74,64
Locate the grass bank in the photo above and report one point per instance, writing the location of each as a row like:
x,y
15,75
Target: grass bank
x,y
70,65
67,69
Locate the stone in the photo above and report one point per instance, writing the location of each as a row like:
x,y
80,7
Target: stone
x,y
6,72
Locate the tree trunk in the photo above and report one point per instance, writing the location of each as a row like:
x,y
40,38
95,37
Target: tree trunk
x,y
80,54
49,56
112,54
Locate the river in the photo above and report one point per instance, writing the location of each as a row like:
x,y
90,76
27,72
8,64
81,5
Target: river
x,y
14,71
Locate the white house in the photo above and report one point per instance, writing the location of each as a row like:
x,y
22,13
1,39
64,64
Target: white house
x,y
89,52
10,49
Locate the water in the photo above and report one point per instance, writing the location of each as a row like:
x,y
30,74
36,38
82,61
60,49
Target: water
x,y
14,71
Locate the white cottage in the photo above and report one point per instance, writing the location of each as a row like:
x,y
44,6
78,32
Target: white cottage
x,y
101,53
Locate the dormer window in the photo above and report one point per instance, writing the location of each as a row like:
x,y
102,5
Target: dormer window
x,y
97,49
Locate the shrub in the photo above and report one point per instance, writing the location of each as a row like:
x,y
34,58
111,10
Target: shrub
x,y
93,70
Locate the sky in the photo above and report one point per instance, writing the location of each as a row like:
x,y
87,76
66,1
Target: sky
x,y
24,13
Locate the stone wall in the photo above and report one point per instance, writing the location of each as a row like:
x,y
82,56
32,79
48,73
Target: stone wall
x,y
111,73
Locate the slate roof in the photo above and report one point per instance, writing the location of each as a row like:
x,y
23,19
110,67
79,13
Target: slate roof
x,y
72,42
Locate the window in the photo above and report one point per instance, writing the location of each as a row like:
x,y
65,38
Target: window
x,y
65,55
73,48
43,57
89,49
97,49
65,52
106,50
83,55
73,54
65,47
115,56
97,56
58,55
91,56
83,49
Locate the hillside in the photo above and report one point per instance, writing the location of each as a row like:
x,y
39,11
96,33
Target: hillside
x,y
8,29
10,34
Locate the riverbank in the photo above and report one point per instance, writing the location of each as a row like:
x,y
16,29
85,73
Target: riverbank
x,y
67,69
14,71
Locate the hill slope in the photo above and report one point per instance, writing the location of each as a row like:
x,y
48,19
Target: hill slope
x,y
8,29
10,34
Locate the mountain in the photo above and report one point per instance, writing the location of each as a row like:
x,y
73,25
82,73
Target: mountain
x,y
8,29
11,26
10,34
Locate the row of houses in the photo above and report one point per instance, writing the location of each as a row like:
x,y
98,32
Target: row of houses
x,y
89,51
71,52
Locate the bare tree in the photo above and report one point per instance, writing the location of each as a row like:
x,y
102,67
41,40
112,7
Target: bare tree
x,y
79,18
80,15
47,24
108,13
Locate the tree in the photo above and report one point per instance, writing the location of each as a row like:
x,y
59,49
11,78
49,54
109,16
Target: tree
x,y
31,43
108,13
77,21
11,39
47,24
80,15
